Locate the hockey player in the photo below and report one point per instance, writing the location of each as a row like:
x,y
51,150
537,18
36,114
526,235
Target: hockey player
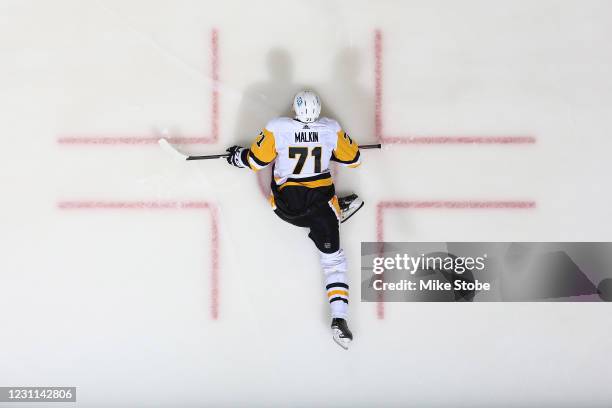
x,y
303,192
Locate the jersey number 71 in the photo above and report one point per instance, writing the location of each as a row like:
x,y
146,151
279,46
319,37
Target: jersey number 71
x,y
302,154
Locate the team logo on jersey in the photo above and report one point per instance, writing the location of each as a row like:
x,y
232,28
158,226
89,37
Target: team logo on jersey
x,y
306,127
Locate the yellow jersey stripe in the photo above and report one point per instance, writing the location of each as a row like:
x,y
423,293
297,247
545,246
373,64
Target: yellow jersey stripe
x,y
272,201
310,184
337,292
335,206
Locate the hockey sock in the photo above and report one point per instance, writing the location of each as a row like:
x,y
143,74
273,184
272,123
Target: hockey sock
x,y
334,268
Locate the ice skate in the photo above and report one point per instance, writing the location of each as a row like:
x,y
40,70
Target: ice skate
x,y
349,205
341,333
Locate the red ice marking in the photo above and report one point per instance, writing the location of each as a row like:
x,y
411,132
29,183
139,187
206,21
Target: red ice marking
x,y
167,205
378,85
127,140
426,205
214,49
264,178
458,140
92,139
378,116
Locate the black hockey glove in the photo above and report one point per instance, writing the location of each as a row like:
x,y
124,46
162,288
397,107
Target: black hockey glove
x,y
237,156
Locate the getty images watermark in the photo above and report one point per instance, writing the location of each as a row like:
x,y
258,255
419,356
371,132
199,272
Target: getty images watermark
x,y
38,394
486,271
413,264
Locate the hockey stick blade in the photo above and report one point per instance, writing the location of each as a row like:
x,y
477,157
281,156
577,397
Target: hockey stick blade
x,y
166,146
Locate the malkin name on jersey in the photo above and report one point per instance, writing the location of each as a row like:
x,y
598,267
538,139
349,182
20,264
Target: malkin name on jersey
x,y
306,136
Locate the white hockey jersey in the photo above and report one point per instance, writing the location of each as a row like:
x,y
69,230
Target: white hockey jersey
x,y
302,151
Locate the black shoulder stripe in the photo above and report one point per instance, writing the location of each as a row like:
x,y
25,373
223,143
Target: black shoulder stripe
x,y
355,159
244,158
256,160
321,176
338,298
337,285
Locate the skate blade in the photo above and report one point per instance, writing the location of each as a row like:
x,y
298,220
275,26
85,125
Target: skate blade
x,y
342,342
352,212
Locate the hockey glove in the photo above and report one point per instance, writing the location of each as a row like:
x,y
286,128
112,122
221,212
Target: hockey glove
x,y
237,156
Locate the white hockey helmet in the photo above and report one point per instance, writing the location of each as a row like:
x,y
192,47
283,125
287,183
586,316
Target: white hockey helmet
x,y
307,106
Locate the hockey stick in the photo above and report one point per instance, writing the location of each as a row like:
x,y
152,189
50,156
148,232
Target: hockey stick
x,y
371,146
165,145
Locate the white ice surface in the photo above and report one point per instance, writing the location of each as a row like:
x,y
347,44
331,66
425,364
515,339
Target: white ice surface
x,y
117,303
